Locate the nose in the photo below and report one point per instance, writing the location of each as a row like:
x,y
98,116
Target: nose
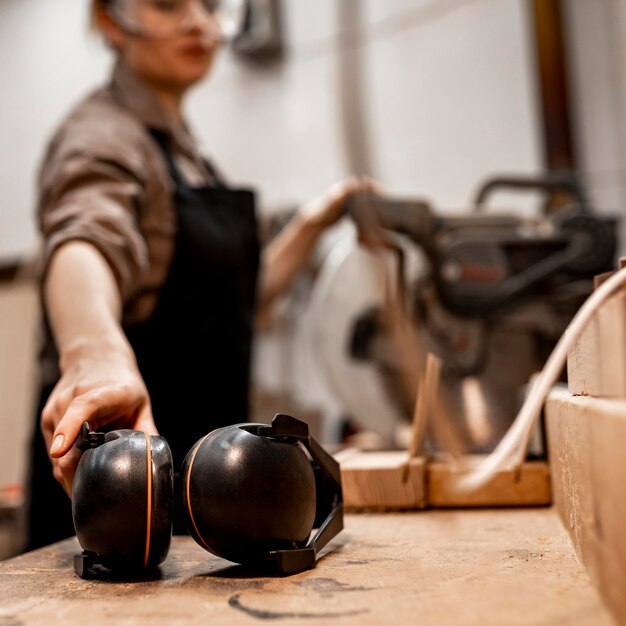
x,y
199,18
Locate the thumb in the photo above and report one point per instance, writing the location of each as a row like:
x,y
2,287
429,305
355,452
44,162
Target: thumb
x,y
145,420
372,185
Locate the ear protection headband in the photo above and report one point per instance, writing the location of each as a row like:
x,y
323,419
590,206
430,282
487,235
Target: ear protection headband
x,y
252,494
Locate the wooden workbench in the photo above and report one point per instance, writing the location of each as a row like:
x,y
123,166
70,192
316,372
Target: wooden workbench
x,y
501,567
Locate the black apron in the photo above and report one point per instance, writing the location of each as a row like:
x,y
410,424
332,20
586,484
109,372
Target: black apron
x,y
194,350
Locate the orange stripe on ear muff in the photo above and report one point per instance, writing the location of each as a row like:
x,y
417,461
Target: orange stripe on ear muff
x,y
149,503
193,521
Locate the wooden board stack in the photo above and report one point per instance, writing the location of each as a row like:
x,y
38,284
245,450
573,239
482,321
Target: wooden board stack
x,y
586,438
586,434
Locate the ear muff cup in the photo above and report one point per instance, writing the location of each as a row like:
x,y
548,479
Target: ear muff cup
x,y
246,495
122,500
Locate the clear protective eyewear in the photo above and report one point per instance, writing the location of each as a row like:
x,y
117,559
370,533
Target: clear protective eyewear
x,y
222,19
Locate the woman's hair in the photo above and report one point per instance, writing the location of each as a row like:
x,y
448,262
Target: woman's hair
x,y
97,5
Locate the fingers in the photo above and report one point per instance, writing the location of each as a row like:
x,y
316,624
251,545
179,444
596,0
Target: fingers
x,y
372,185
145,421
349,185
354,186
55,407
358,183
331,207
98,407
64,469
345,189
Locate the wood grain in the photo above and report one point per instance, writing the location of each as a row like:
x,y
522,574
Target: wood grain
x,y
377,481
528,487
586,438
383,481
487,568
596,365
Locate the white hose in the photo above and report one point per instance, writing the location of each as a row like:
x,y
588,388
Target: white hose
x,y
511,451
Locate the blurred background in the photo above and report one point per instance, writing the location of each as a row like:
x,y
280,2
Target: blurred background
x,y
429,97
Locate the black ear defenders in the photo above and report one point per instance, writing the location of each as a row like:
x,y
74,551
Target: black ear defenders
x,y
251,493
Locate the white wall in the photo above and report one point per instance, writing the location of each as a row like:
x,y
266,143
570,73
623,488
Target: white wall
x,y
47,61
451,98
448,97
597,52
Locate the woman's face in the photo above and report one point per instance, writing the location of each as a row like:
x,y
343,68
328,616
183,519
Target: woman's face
x,y
169,43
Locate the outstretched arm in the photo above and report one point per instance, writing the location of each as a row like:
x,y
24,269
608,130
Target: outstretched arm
x,y
100,382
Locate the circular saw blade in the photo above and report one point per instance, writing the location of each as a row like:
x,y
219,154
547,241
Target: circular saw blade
x,y
353,280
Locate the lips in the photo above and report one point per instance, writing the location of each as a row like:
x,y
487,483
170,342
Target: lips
x,y
194,49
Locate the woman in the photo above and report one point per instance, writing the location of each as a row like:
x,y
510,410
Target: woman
x,y
151,262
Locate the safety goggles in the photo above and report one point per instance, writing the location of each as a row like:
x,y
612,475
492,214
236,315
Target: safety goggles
x,y
222,19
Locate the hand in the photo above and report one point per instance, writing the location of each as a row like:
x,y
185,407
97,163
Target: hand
x,y
100,385
331,207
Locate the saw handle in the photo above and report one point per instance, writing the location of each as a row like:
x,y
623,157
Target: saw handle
x,y
410,217
550,184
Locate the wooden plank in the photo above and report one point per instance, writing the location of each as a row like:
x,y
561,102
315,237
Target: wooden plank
x,y
375,480
383,481
583,368
529,487
586,438
484,568
596,365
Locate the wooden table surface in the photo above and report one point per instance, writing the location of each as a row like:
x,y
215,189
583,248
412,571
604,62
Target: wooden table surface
x,y
500,567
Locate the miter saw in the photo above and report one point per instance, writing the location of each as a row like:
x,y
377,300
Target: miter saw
x,y
490,294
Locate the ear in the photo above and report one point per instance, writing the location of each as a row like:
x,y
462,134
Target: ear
x,y
110,29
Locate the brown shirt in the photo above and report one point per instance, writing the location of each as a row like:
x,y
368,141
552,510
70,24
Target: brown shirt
x,y
105,181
